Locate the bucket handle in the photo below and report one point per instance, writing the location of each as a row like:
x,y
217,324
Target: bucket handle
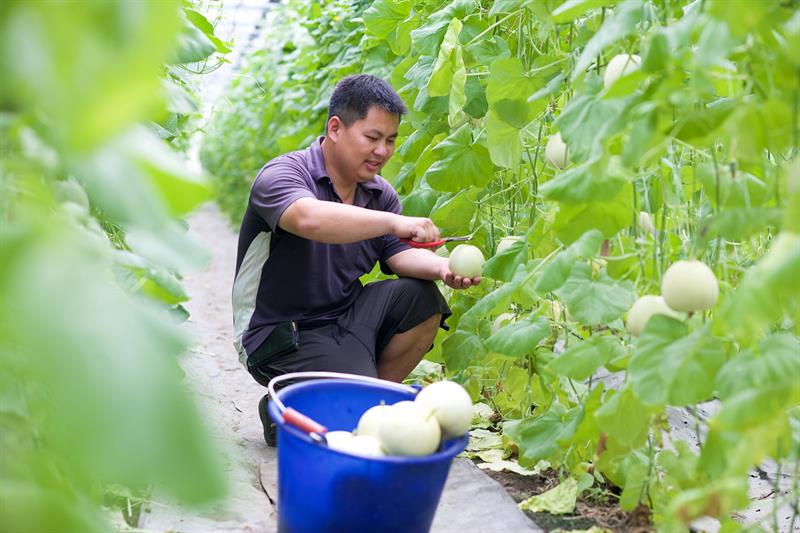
x,y
314,429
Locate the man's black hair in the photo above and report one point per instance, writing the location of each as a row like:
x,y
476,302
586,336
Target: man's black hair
x,y
354,95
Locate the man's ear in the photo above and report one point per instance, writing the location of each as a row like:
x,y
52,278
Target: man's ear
x,y
334,128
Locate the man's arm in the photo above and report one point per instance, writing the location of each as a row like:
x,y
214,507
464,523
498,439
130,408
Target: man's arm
x,y
335,223
424,264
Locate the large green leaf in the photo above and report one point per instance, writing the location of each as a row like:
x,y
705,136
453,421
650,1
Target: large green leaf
x,y
623,418
756,388
427,37
459,163
539,437
420,201
593,181
759,126
520,337
508,90
485,50
462,349
383,16
572,221
586,121
498,298
201,23
558,269
446,62
672,366
193,45
453,212
505,145
502,266
595,300
581,360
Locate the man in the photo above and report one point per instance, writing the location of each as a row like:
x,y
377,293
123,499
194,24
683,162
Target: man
x,y
316,221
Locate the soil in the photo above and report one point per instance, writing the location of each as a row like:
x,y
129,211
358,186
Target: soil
x,y
598,509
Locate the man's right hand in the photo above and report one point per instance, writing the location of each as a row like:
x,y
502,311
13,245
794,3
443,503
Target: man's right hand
x,y
416,228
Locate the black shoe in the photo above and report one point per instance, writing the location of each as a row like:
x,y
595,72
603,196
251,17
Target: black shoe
x,y
270,429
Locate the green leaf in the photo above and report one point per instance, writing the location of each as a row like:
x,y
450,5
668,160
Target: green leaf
x,y
595,301
383,16
586,121
623,418
560,266
759,125
560,499
192,45
502,266
765,293
427,37
720,496
656,57
462,349
593,181
420,201
505,145
739,223
453,212
581,360
181,189
445,66
179,99
498,298
508,90
621,24
572,221
161,284
757,388
572,9
715,44
519,338
702,125
671,366
735,190
202,24
476,105
459,163
538,437
506,6
458,97
484,51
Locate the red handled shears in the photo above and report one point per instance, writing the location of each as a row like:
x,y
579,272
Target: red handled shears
x,y
434,244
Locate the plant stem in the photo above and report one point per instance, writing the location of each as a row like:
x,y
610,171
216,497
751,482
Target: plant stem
x,y
487,30
716,213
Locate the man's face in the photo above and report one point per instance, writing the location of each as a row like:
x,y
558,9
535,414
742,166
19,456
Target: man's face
x,y
365,146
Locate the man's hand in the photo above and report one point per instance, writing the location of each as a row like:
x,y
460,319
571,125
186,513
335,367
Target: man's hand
x,y
415,228
455,281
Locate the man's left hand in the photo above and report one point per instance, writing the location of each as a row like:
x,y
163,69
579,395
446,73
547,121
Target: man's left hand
x,y
458,282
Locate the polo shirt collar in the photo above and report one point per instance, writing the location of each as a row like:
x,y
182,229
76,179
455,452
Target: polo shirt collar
x,y
316,167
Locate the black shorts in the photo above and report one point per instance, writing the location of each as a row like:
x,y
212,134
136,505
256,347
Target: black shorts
x,y
354,342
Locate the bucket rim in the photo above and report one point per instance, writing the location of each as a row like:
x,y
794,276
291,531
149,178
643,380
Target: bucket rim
x,y
449,448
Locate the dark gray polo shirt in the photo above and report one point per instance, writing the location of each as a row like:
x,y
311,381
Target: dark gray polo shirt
x,y
280,276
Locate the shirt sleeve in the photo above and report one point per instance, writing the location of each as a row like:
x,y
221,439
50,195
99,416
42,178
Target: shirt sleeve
x,y
277,187
392,244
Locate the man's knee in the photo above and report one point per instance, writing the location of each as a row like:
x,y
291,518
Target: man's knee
x,y
419,290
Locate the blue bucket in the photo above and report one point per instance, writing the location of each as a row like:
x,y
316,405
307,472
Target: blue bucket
x,y
324,490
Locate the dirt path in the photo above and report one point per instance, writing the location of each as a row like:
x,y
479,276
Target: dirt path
x,y
472,502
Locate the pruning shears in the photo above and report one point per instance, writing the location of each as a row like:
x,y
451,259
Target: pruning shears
x,y
435,244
